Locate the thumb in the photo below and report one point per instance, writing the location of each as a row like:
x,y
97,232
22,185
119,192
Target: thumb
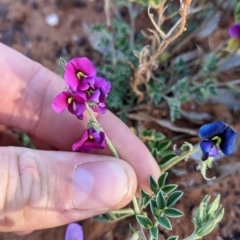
x,y
42,189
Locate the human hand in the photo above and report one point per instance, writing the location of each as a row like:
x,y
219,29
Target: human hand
x,y
53,186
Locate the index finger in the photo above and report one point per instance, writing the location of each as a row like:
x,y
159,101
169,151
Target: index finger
x,y
27,90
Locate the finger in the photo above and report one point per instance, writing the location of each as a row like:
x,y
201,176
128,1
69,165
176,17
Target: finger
x,y
26,104
42,189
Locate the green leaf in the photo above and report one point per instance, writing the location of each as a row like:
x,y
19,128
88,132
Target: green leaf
x,y
143,193
162,180
213,206
153,184
169,188
145,201
174,197
160,200
173,212
167,158
144,221
132,231
173,238
154,232
163,145
154,153
164,222
154,208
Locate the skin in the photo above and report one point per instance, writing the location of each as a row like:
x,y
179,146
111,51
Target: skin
x,y
53,186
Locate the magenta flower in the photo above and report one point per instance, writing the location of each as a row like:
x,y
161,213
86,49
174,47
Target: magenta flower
x,y
91,138
74,232
79,74
74,102
234,31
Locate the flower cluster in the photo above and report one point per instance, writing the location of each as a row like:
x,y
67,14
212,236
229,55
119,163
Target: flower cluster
x,y
85,89
216,135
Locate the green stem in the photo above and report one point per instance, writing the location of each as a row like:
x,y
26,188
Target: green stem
x,y
114,152
178,159
192,237
123,211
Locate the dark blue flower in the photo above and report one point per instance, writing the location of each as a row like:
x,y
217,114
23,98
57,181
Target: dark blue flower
x,y
217,134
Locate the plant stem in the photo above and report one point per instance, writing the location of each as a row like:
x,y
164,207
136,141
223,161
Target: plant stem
x,y
178,159
114,152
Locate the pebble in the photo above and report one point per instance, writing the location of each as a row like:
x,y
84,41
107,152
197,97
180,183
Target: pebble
x,y
52,20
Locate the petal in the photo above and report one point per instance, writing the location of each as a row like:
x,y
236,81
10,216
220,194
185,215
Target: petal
x,y
101,108
228,139
209,147
77,109
80,109
212,129
70,76
101,82
234,30
74,232
77,146
95,96
84,65
60,102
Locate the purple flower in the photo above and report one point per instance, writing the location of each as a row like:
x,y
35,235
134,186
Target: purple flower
x,y
91,138
216,134
79,73
234,31
74,232
74,102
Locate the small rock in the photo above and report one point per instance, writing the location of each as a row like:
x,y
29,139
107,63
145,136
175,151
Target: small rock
x,y
52,20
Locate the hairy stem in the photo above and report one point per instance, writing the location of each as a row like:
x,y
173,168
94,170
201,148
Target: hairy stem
x,y
178,159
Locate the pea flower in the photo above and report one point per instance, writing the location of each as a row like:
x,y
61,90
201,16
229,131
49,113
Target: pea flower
x,y
216,134
74,232
90,139
79,74
234,43
74,102
234,31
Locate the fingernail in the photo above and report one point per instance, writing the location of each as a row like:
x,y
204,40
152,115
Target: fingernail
x,y
99,185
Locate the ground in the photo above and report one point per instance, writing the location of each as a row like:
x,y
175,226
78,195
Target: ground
x,y
24,28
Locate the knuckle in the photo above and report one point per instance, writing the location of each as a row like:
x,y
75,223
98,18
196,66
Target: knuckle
x,y
23,179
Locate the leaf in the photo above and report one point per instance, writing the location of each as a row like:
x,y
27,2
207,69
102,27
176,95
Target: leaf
x,y
162,180
174,197
144,221
163,145
153,184
164,222
167,158
143,193
213,206
132,231
160,200
173,238
145,201
154,208
169,188
154,232
154,153
173,212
